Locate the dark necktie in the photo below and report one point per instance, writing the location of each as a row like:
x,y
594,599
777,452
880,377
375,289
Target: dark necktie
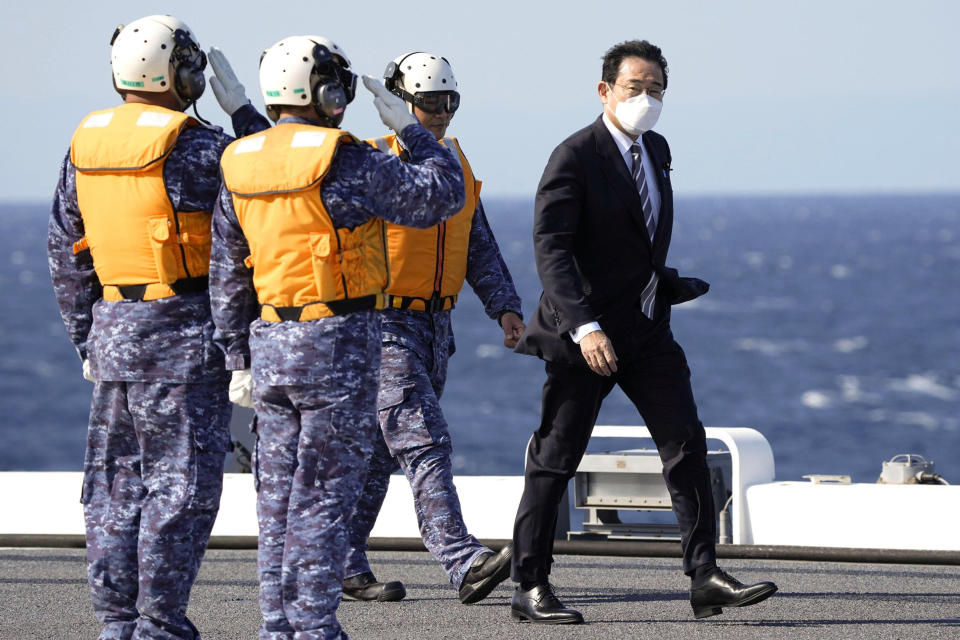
x,y
640,179
649,295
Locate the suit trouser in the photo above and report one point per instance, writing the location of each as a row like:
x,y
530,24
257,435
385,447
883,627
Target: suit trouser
x,y
658,384
153,474
414,437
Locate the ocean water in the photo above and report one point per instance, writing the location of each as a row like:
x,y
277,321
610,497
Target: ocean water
x,y
832,327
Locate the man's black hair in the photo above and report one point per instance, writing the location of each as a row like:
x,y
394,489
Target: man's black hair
x,y
614,56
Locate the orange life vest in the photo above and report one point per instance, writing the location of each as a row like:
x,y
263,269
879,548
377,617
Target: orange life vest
x,y
428,266
304,268
136,239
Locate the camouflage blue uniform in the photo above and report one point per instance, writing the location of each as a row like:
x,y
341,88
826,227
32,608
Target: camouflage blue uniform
x,y
315,383
159,418
414,433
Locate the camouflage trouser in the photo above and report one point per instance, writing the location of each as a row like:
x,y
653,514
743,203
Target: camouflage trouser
x,y
313,444
415,438
151,490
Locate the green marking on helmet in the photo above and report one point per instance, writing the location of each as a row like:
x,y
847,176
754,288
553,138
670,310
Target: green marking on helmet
x,y
157,79
130,83
273,94
299,90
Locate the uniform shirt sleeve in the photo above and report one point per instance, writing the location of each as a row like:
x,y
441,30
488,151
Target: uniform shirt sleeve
x,y
364,183
75,283
487,273
192,171
232,296
247,120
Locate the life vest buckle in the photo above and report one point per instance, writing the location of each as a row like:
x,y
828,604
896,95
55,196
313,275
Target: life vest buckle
x,y
434,304
438,303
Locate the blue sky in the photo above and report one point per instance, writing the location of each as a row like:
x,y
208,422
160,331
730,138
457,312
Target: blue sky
x,y
764,97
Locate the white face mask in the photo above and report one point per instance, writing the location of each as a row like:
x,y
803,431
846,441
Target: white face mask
x,y
638,114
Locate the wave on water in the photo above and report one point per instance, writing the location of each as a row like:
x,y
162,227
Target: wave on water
x,y
849,345
719,305
771,347
851,390
926,384
815,399
490,351
827,317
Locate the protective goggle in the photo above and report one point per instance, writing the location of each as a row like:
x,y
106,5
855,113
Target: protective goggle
x,y
435,101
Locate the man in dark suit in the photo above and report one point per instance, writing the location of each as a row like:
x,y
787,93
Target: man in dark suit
x,y
604,214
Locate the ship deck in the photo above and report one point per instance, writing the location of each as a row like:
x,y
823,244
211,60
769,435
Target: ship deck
x,y
44,595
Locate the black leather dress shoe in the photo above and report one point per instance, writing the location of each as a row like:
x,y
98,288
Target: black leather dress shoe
x,y
541,606
486,572
366,587
709,595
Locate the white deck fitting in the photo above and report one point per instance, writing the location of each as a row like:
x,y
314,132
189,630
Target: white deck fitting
x,y
867,516
765,512
489,505
41,502
49,503
859,516
751,462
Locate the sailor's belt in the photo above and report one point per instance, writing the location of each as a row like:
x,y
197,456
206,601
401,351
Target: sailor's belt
x,y
431,305
317,310
154,290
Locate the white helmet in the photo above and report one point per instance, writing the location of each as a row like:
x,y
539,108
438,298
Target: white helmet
x,y
158,54
418,73
307,70
334,49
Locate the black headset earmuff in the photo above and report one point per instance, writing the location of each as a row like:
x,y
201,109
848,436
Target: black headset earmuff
x,y
113,80
189,61
329,97
392,74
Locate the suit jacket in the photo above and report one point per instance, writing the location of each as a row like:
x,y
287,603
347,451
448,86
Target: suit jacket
x,y
593,253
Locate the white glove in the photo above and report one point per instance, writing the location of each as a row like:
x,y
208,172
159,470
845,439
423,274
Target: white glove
x,y
87,373
229,92
241,388
393,110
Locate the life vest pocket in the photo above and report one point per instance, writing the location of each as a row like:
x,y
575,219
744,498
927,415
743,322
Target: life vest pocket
x,y
351,265
195,236
362,261
164,246
323,266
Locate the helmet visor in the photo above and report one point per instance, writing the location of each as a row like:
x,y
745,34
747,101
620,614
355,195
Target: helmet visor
x,y
188,52
437,101
331,66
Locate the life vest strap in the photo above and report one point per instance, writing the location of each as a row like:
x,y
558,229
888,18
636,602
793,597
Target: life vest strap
x,y
430,305
317,310
154,290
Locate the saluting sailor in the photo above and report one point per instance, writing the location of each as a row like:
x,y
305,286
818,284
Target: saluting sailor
x,y
427,270
129,252
298,280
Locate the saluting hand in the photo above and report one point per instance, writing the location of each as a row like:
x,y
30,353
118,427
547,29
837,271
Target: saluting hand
x,y
598,352
226,87
513,328
393,110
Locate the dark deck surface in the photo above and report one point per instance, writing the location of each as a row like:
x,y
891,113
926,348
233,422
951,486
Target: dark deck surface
x,y
43,594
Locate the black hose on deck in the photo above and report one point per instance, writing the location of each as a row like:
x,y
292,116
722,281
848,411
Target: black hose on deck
x,y
621,548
